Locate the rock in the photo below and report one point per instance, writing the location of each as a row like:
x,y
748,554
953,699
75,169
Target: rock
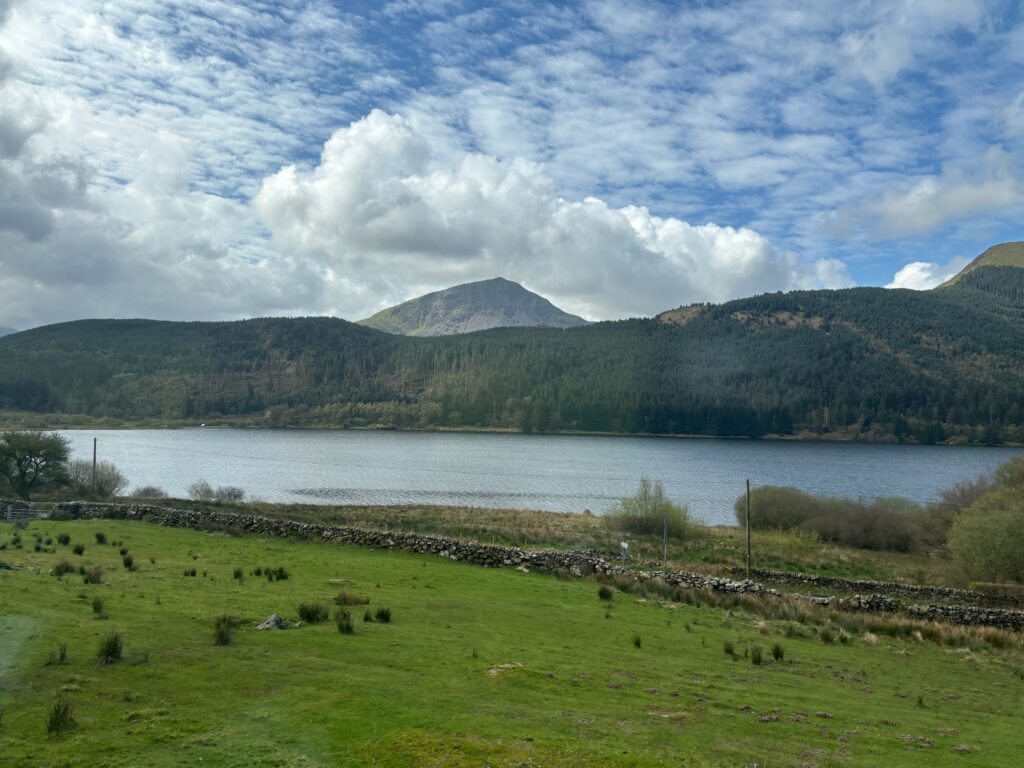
x,y
273,621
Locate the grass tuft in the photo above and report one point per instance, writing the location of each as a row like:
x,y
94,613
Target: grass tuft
x,y
223,630
756,655
62,716
314,613
605,592
111,649
383,615
346,624
778,652
346,598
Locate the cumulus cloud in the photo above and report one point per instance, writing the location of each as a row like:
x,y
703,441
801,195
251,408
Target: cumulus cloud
x,y
990,185
924,275
378,209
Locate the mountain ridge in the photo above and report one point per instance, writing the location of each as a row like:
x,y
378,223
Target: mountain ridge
x,y
469,307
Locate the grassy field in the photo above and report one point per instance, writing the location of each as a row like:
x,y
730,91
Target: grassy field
x,y
711,549
477,667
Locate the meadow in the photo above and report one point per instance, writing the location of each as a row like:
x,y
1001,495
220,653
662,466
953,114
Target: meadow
x,y
475,667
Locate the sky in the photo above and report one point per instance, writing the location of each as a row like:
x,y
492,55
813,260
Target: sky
x,y
206,160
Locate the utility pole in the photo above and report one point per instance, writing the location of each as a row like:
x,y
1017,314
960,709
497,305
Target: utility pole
x,y
748,529
94,466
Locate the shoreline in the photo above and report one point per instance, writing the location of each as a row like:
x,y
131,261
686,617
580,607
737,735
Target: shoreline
x,y
46,423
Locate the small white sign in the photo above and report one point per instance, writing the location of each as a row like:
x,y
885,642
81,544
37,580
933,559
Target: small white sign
x,y
624,544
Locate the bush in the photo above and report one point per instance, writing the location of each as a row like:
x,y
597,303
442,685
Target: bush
x,y
109,480
93,575
346,624
368,617
881,524
383,615
778,652
201,490
729,647
223,630
237,574
229,493
62,716
111,648
647,511
605,592
149,492
826,635
314,613
756,655
129,562
78,549
63,539
62,568
986,541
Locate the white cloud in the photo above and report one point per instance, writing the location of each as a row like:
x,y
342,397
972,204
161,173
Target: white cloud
x,y
924,275
381,211
929,202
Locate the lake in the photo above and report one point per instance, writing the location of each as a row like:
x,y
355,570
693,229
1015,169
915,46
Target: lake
x,y
564,473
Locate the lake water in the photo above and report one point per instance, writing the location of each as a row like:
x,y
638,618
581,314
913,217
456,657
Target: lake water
x,y
551,472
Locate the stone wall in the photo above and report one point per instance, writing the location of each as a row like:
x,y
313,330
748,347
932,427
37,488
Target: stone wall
x,y
543,561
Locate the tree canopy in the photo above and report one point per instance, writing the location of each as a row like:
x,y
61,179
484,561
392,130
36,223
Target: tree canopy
x,y
32,460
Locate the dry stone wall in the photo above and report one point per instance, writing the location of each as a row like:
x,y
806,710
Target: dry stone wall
x,y
547,560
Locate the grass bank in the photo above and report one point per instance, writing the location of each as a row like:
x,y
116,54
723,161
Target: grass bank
x,y
476,666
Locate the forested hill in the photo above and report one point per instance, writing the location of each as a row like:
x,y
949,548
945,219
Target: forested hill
x,y
864,363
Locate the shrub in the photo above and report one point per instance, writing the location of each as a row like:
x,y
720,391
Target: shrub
x,y
314,613
123,551
229,493
97,607
237,574
647,511
93,575
149,492
729,647
368,617
778,652
128,561
63,539
62,716
201,490
826,635
111,648
107,480
78,549
347,598
605,592
987,541
756,655
345,622
62,568
101,537
383,615
223,630
280,574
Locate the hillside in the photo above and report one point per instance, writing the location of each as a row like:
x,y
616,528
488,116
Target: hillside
x,y
5,331
862,363
1002,255
497,303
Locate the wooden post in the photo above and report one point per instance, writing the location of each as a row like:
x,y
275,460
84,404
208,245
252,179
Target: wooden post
x,y
748,529
665,541
94,466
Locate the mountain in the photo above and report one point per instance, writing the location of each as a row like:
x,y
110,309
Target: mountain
x,y
1002,255
858,363
5,331
497,303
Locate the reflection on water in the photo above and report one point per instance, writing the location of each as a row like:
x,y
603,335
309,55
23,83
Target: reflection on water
x,y
552,472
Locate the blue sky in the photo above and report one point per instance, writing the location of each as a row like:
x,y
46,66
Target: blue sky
x,y
203,159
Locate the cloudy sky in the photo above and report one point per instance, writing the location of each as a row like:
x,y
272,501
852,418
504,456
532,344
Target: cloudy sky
x,y
198,159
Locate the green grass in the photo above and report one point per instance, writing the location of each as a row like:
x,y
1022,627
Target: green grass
x,y
479,666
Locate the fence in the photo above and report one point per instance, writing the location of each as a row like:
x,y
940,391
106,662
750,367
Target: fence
x,y
15,511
